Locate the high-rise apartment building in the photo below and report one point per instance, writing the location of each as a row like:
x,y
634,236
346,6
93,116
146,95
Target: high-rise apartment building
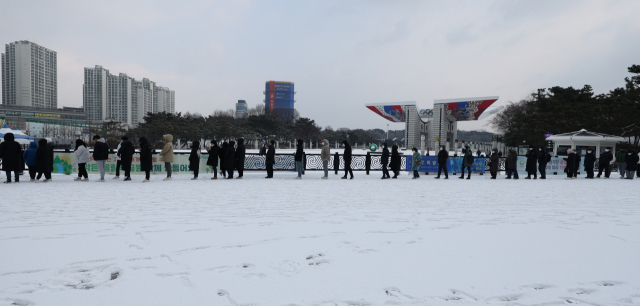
x,y
241,109
108,97
29,75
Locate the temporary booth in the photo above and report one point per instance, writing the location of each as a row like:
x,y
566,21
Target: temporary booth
x,y
583,140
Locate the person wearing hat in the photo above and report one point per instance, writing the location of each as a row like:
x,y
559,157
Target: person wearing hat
x,y
589,163
621,162
632,164
606,158
532,161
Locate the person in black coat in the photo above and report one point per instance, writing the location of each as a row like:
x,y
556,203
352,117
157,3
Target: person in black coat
x,y
194,159
229,159
443,155
495,163
577,167
632,164
395,161
212,161
126,155
43,160
605,161
146,158
347,156
532,160
385,160
543,159
570,169
240,157
223,169
298,156
11,154
270,160
589,163
512,164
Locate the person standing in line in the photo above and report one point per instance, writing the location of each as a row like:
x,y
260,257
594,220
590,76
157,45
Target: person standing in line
x,y
589,163
443,155
212,161
512,164
223,169
605,160
467,162
384,160
632,164
325,156
167,154
118,162
532,160
395,161
416,158
347,156
298,157
146,158
241,152
11,153
194,159
29,157
495,163
621,162
82,158
571,164
270,160
577,167
100,155
126,154
43,160
543,159
230,159
478,153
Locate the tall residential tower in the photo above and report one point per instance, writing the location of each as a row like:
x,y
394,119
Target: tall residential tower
x,y
29,75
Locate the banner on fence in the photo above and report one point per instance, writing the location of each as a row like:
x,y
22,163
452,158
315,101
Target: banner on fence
x,y
65,163
454,164
557,164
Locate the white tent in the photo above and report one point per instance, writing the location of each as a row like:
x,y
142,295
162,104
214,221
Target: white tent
x,y
19,137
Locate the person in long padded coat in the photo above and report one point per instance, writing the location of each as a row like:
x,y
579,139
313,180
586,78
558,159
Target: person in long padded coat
x,y
571,164
395,161
43,160
632,164
126,154
146,158
495,163
467,162
512,164
194,159
443,155
589,163
214,153
29,157
384,160
223,169
229,159
82,158
347,156
270,159
11,155
605,160
240,157
532,160
543,159
298,157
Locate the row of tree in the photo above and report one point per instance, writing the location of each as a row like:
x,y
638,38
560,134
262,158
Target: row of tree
x,y
559,110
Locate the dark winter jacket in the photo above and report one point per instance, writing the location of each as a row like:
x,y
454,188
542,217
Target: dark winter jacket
x,y
395,159
241,152
126,154
589,160
347,155
230,156
468,157
621,157
512,160
213,156
578,160
101,150
532,160
632,161
271,156
495,162
385,155
11,153
225,145
442,156
194,157
146,155
543,157
29,154
605,158
50,146
299,150
43,157
571,163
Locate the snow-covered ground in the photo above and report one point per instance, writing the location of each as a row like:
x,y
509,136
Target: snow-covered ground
x,y
320,242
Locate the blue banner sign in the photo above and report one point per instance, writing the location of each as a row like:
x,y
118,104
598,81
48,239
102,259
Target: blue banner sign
x,y
454,164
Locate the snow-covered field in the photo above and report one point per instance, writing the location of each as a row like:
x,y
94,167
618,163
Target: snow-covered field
x,y
320,242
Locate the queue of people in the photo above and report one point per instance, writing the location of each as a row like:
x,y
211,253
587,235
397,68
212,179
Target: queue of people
x,y
231,157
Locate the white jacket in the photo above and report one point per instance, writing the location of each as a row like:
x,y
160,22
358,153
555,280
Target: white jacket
x,y
82,155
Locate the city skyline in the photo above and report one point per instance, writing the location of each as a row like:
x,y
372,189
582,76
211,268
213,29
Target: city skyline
x,y
341,55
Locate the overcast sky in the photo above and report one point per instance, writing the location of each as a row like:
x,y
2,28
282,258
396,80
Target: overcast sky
x,y
340,54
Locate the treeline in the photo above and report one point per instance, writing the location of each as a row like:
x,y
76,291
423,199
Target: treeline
x,y
475,136
222,125
560,110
